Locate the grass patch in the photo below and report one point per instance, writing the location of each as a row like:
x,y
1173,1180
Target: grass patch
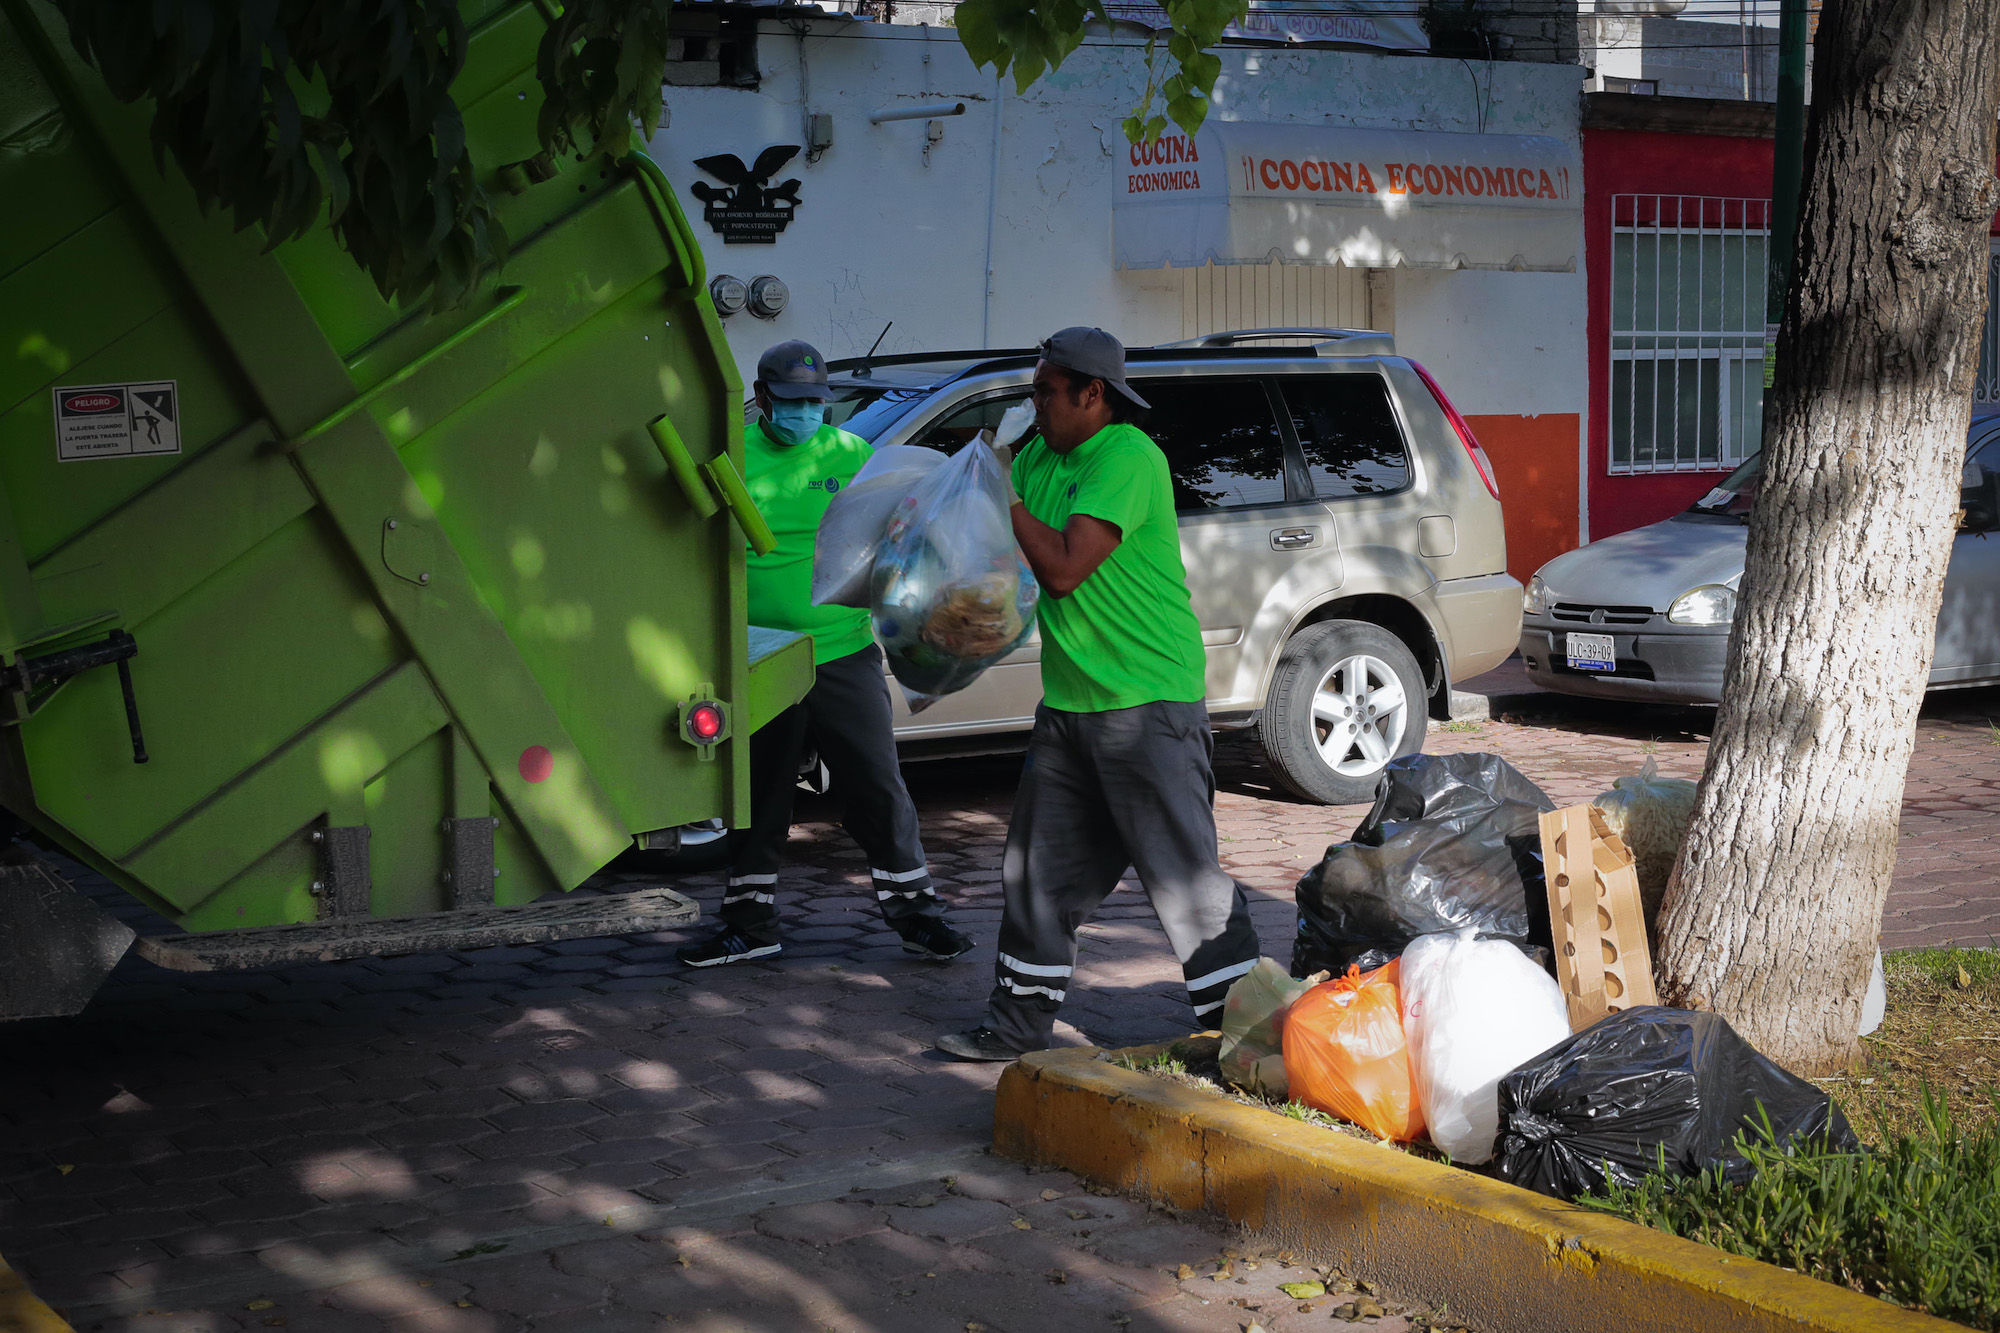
x,y
1941,1034
1461,725
1192,1063
1160,1062
1916,1221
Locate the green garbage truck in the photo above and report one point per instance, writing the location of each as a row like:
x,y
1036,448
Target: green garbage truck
x,y
330,627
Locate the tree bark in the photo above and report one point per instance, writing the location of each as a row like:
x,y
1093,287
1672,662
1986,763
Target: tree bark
x,y
1775,907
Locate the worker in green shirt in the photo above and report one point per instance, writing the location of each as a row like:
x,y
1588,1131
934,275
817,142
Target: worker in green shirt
x,y
1118,771
794,464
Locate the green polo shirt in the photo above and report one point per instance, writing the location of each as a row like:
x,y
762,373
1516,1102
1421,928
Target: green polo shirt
x,y
1127,635
792,485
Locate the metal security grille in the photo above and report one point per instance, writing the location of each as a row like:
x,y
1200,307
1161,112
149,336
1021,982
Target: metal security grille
x,y
1687,331
1986,388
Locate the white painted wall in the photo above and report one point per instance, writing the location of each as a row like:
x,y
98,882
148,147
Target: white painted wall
x,y
882,235
1504,343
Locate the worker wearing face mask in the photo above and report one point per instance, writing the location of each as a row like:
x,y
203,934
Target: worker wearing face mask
x,y
795,464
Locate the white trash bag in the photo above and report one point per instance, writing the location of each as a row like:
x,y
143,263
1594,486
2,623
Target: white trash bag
x,y
1875,1004
1473,1011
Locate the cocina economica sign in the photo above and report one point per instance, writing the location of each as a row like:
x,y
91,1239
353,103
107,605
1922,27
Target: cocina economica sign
x,y
1173,163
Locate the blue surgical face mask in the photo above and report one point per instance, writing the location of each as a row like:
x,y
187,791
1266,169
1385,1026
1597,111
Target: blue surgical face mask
x,y
795,420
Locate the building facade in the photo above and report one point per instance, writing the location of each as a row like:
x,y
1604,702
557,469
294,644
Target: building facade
x,y
1677,195
899,194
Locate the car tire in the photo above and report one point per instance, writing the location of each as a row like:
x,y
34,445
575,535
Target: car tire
x,y
1325,663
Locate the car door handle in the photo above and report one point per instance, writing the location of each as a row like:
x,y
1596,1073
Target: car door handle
x,y
1293,539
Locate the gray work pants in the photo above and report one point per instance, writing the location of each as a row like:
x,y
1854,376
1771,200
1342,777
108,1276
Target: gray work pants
x,y
847,716
1100,792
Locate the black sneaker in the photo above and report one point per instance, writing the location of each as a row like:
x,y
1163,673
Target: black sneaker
x,y
932,939
726,946
979,1044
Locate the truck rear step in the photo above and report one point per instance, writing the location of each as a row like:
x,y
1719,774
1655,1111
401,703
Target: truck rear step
x,y
568,918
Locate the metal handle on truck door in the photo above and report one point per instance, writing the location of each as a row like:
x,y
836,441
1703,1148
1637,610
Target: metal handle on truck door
x,y
744,509
677,227
681,464
722,476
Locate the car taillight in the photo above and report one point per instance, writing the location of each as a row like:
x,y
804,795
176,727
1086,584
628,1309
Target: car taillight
x,y
1465,435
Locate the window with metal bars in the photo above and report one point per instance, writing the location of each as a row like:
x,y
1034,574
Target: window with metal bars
x,y
1687,331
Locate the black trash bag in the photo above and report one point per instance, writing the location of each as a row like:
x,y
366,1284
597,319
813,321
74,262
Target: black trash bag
x,y
1454,840
1648,1079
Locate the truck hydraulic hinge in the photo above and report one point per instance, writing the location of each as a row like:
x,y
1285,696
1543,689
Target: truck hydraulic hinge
x,y
37,676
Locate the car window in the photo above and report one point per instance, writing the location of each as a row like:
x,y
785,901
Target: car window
x,y
1348,431
957,429
1221,439
1979,486
870,412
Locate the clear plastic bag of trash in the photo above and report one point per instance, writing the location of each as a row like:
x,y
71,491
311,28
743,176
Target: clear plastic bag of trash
x,y
1252,1055
1646,1085
951,594
1473,1009
1453,840
850,532
1650,815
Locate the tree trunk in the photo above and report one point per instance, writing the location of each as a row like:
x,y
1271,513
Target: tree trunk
x,y
1775,908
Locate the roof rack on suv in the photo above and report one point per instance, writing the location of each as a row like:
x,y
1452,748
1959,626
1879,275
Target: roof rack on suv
x,y
1343,341
1321,342
860,365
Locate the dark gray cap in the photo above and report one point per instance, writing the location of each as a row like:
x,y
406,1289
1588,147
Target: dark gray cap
x,y
1091,352
793,370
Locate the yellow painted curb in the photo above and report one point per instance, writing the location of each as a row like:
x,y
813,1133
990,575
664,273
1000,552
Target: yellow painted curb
x,y
1501,1256
21,1311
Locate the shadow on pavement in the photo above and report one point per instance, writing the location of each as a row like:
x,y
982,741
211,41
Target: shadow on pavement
x,y
578,1133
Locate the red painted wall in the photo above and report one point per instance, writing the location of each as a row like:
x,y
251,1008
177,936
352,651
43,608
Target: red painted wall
x,y
1643,162
1534,462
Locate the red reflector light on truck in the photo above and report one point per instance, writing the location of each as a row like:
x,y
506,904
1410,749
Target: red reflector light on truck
x,y
1465,435
704,722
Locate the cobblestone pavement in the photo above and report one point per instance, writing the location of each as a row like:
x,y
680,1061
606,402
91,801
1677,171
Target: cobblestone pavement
x,y
583,1136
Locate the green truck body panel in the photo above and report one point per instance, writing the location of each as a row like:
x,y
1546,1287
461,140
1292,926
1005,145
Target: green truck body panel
x,y
404,569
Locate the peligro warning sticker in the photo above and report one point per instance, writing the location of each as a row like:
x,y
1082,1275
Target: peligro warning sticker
x,y
118,420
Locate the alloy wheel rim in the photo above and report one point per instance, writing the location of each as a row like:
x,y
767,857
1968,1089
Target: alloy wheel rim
x,y
1359,709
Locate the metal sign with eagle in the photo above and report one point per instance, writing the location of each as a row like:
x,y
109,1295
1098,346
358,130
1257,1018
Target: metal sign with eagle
x,y
748,209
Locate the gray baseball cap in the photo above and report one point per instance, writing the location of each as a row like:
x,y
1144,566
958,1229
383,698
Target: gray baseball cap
x,y
1091,352
793,370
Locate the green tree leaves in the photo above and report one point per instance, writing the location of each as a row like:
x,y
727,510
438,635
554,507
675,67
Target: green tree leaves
x,y
278,109
1030,36
601,64
1033,37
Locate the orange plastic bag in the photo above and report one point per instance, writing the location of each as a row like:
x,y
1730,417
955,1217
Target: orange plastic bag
x,y
1345,1053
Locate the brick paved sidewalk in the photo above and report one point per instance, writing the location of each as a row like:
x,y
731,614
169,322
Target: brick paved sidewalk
x,y
526,1138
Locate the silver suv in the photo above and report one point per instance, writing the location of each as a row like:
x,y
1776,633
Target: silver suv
x,y
1340,526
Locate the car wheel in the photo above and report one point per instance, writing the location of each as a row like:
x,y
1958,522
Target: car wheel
x,y
1346,699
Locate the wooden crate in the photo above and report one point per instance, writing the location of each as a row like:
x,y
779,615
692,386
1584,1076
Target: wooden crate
x,y
1602,961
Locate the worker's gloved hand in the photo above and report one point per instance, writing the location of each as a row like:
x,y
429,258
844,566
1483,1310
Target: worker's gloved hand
x,y
1015,423
1005,453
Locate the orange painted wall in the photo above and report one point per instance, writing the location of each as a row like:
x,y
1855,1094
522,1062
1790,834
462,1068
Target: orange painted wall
x,y
1534,460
